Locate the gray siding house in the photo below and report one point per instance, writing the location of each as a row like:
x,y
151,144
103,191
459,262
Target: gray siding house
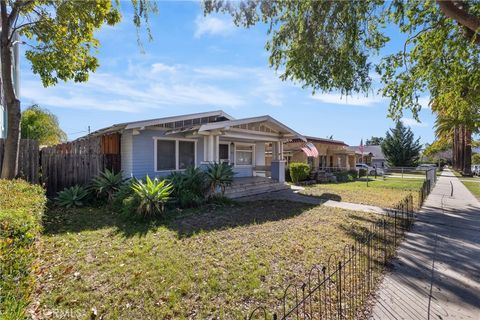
x,y
157,147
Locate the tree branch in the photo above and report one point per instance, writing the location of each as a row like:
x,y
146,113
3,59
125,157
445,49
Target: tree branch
x,y
459,14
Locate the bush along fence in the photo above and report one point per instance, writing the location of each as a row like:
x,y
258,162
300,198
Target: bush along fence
x,y
340,288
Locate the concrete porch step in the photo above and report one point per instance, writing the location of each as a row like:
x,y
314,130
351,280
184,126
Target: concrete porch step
x,y
245,191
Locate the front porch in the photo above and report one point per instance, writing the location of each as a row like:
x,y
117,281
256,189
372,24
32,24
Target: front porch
x,y
248,186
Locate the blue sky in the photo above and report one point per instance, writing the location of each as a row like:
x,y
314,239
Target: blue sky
x,y
197,64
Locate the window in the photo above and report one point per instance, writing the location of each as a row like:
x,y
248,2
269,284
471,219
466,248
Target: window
x,y
244,155
186,154
166,155
174,154
223,152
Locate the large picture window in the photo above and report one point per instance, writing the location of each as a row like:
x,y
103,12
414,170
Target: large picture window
x,y
174,154
244,155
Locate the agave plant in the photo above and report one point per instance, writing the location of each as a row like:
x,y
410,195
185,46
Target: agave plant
x,y
152,195
219,176
107,183
72,197
189,187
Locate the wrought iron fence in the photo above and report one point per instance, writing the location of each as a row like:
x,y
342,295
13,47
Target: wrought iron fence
x,y
339,288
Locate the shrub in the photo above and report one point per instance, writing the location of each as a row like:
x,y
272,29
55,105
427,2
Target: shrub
x,y
123,192
151,196
344,176
299,171
106,184
189,187
21,209
219,176
362,173
72,197
353,173
287,174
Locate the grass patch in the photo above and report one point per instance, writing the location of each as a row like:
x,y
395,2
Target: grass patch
x,y
384,193
473,186
21,208
216,262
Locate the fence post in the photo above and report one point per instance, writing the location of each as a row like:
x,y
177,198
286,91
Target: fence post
x,y
339,290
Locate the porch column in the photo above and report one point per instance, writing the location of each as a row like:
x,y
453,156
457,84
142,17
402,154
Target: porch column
x,y
217,148
210,149
278,164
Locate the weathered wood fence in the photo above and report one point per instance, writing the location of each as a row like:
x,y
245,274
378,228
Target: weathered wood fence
x,y
77,162
67,164
28,161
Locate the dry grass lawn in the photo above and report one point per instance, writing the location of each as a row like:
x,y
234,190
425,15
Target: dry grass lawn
x,y
383,193
217,262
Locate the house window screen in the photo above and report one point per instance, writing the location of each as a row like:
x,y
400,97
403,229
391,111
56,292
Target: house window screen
x,y
244,155
165,155
186,154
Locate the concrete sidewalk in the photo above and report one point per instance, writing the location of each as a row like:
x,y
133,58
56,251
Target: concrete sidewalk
x,y
437,273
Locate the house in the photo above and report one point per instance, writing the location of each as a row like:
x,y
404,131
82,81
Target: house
x,y
157,147
332,154
371,155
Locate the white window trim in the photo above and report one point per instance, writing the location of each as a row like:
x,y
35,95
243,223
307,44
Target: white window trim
x,y
235,155
177,157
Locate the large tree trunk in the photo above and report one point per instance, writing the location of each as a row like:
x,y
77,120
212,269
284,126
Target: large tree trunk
x,y
458,11
467,153
10,156
455,148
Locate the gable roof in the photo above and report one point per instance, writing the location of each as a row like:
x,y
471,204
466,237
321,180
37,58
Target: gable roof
x,y
282,129
160,121
321,140
376,151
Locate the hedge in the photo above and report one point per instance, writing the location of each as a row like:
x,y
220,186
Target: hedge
x,y
299,171
21,209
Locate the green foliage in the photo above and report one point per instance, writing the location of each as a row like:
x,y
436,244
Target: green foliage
x,y
72,197
107,184
42,125
400,147
353,173
218,177
299,171
151,196
362,173
123,192
330,45
21,210
189,187
374,141
345,176
476,158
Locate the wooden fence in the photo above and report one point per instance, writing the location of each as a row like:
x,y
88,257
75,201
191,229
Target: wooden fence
x,y
28,159
76,162
67,164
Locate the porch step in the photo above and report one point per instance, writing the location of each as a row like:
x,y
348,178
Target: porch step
x,y
249,190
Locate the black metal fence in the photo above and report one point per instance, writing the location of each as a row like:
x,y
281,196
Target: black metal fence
x,y
339,288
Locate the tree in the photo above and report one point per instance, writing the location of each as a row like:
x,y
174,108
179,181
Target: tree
x,y
374,141
59,36
328,45
42,125
400,147
476,158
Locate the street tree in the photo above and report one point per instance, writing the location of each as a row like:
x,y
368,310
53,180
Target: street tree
x,y
400,147
41,125
58,36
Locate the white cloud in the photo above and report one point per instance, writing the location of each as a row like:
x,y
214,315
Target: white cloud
x,y
414,123
161,67
212,25
336,98
424,101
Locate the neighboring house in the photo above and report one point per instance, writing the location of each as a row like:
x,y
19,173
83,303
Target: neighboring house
x,y
331,153
157,147
372,155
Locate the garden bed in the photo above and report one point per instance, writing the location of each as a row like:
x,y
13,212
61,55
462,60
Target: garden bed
x,y
213,262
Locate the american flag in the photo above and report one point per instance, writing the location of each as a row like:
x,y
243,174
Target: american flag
x,y
310,150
